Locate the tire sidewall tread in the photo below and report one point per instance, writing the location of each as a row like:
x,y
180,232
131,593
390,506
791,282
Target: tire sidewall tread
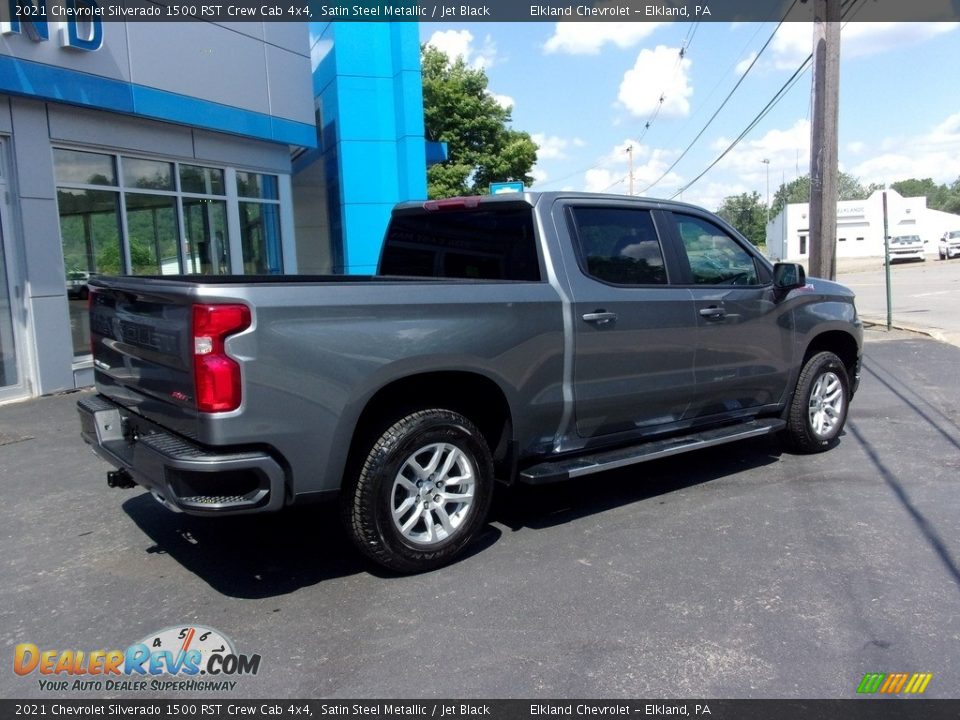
x,y
798,434
366,500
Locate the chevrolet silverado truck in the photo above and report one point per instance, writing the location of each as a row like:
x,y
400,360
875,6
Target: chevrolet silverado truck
x,y
529,338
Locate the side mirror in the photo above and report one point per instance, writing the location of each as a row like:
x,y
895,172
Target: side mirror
x,y
787,276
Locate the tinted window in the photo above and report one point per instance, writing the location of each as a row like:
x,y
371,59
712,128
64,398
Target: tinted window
x,y
619,246
478,244
715,257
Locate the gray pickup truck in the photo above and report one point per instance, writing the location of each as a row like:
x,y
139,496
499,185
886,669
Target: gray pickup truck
x,y
528,338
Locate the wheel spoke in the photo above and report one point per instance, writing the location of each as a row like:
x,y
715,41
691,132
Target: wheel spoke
x,y
434,461
407,503
452,458
445,521
430,526
411,521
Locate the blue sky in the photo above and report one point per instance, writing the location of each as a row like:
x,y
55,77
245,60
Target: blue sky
x,y
586,91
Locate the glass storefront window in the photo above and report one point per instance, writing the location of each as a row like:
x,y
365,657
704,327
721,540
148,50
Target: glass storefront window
x,y
84,168
147,174
120,213
260,238
255,185
152,227
90,232
208,250
201,180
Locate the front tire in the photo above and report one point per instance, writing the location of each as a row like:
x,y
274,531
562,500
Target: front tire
x,y
818,411
422,493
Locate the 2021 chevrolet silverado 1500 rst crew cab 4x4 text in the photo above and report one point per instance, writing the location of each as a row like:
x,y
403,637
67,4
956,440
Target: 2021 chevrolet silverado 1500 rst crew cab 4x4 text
x,y
528,338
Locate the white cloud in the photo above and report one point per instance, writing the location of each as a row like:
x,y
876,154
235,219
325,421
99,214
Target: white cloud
x,y
588,38
784,148
603,180
460,43
551,147
657,74
924,158
504,101
539,175
744,64
613,171
794,40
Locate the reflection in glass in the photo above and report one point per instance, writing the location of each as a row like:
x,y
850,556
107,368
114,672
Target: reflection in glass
x,y
8,351
86,168
260,238
90,231
255,185
201,180
152,228
147,174
208,250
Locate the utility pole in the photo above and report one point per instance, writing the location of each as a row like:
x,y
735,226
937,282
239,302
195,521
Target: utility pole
x,y
630,155
823,139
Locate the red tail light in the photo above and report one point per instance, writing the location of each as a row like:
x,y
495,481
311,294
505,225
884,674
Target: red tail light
x,y
216,376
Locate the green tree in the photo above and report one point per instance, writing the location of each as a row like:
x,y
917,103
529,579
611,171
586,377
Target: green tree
x,y
459,111
747,214
798,191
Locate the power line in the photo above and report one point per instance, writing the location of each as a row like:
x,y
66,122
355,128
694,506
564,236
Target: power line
x,y
681,55
684,48
753,123
724,103
786,87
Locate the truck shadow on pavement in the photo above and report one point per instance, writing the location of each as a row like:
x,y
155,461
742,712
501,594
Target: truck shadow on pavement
x,y
278,553
252,556
544,506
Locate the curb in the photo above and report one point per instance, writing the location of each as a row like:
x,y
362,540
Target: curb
x,y
873,322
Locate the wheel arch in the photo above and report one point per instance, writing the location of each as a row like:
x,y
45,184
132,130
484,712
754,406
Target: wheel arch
x,y
843,345
475,396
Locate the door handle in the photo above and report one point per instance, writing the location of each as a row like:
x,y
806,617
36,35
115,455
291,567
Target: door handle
x,y
600,317
712,312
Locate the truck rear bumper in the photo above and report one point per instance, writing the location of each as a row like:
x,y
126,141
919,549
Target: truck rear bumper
x,y
183,476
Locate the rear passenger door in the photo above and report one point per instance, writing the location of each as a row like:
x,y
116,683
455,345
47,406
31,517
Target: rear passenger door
x,y
744,343
633,331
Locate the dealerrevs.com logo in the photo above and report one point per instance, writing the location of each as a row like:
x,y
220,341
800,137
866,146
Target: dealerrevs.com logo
x,y
183,658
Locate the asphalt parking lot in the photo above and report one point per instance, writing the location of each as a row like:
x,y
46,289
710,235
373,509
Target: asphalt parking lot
x,y
737,572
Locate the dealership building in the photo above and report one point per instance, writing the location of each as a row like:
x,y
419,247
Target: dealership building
x,y
154,148
860,226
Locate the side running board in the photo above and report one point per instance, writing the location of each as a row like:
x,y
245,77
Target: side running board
x,y
568,468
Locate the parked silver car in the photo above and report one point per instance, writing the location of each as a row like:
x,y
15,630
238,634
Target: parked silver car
x,y
949,245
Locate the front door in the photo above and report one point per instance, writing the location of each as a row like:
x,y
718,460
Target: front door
x,y
744,340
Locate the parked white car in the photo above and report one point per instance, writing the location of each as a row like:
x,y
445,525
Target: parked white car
x,y
906,247
950,245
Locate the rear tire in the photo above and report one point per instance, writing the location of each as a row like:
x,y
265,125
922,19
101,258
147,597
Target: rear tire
x,y
422,493
818,411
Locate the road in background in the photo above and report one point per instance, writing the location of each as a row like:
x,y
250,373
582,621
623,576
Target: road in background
x,y
925,295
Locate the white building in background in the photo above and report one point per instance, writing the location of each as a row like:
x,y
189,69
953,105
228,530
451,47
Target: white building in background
x,y
859,226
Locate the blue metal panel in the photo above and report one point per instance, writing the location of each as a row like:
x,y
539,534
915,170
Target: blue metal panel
x,y
36,80
371,99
